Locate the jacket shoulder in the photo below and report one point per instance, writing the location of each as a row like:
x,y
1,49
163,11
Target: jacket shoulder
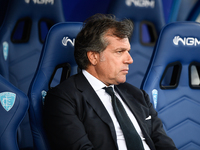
x,y
137,93
128,87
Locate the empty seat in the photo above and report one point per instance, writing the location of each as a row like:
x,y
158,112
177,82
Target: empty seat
x,y
56,64
173,82
22,35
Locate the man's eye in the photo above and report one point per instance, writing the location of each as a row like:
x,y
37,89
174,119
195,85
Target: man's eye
x,y
119,52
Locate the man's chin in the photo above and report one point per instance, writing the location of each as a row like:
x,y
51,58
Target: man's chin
x,y
121,81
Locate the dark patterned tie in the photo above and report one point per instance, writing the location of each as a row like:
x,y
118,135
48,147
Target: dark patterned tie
x,y
133,140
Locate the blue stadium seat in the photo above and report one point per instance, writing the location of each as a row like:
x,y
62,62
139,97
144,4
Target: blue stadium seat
x,y
148,20
173,82
180,10
14,105
22,34
57,57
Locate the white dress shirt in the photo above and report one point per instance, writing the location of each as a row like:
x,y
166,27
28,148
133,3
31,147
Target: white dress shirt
x,y
98,86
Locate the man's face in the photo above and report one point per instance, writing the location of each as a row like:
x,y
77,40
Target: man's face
x,y
113,63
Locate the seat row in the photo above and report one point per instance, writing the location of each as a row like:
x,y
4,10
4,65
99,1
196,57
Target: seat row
x,y
22,50
172,82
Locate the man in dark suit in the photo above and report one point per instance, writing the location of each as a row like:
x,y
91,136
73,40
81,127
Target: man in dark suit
x,y
96,109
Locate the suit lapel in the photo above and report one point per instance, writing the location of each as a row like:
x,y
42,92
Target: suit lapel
x,y
92,98
138,110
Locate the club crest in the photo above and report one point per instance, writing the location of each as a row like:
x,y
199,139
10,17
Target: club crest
x,y
5,50
7,100
155,97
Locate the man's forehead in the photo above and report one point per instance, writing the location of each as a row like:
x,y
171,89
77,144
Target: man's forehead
x,y
112,36
118,43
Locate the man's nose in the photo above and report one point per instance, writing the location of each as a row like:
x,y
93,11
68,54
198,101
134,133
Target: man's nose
x,y
129,59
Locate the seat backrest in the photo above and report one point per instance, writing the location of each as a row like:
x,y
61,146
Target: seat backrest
x,y
180,10
14,105
148,20
22,34
173,84
58,52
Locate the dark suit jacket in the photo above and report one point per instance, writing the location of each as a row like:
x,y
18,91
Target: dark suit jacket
x,y
75,118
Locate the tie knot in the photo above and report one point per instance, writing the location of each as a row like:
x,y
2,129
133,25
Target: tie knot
x,y
109,90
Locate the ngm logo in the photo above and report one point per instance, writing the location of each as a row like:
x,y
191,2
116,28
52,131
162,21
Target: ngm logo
x,y
190,41
141,3
65,40
41,1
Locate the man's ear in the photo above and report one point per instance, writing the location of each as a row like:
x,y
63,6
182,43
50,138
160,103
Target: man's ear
x,y
93,57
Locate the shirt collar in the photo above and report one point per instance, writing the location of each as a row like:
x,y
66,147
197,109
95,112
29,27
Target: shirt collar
x,y
94,82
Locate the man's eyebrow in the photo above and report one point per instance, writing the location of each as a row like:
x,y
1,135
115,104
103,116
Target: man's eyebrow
x,y
122,49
